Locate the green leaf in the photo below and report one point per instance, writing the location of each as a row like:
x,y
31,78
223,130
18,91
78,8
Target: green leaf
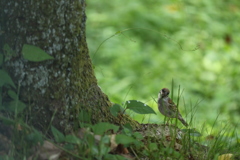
x,y
72,139
7,121
12,94
8,52
127,129
15,106
124,139
5,79
113,157
90,139
138,135
35,137
105,139
69,146
128,126
153,147
58,136
139,107
103,127
94,150
104,145
35,54
115,109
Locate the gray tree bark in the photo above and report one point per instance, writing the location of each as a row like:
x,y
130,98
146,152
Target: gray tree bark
x,y
58,88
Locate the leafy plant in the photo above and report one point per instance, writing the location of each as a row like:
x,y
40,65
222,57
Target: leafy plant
x,y
35,54
8,52
31,53
96,144
139,107
133,105
23,136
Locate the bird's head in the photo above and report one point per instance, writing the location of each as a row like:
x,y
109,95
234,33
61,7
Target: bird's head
x,y
164,92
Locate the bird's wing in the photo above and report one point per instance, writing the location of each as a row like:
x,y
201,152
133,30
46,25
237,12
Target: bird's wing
x,y
172,106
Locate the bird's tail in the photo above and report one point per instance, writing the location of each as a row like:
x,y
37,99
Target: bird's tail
x,y
183,121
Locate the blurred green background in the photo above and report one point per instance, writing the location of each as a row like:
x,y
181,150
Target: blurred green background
x,y
195,43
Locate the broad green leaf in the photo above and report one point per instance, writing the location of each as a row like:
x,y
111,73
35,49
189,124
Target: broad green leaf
x,y
103,127
72,139
115,109
128,126
7,121
90,139
5,79
58,136
35,137
153,147
105,139
15,106
138,135
35,54
8,52
139,107
104,145
94,150
12,94
124,139
69,146
127,129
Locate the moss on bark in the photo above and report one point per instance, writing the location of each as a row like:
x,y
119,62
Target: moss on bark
x,y
59,87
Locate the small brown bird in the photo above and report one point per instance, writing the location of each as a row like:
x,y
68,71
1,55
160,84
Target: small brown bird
x,y
167,107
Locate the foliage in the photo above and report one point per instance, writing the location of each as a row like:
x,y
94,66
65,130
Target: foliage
x,y
140,63
23,136
149,43
31,53
101,142
133,105
138,47
139,107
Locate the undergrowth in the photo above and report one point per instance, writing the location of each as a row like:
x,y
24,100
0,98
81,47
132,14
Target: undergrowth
x,y
108,141
105,141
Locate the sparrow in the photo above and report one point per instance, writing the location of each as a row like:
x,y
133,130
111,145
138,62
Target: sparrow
x,y
167,107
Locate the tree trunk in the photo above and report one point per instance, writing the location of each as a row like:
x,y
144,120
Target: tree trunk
x,y
58,88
